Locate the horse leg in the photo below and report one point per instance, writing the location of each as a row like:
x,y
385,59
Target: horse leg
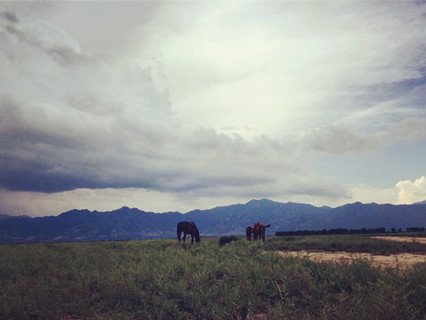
x,y
184,236
192,238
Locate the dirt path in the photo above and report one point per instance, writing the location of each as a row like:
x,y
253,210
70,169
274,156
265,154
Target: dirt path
x,y
402,260
402,239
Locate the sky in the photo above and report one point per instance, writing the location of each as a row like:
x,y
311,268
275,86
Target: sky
x,y
173,106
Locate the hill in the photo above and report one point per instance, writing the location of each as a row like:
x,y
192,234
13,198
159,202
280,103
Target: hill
x,y
132,223
5,216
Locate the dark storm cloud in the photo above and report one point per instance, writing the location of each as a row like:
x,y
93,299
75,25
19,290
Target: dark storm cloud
x,y
52,154
39,153
20,125
30,175
48,154
10,16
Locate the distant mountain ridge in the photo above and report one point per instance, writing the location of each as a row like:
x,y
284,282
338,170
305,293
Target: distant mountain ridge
x,y
5,216
132,223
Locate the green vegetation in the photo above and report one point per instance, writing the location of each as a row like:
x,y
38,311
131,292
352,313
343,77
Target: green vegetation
x,y
163,280
226,240
348,243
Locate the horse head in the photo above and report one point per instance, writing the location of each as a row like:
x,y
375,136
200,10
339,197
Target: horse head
x,y
196,233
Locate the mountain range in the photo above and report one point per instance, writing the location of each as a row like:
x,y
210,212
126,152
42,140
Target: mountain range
x,y
132,223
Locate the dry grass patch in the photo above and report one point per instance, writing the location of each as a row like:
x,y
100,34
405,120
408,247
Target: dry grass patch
x,y
402,260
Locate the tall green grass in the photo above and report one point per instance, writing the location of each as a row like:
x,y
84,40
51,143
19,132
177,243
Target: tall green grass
x,y
164,280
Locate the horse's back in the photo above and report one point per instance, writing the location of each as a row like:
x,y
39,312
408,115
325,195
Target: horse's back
x,y
186,225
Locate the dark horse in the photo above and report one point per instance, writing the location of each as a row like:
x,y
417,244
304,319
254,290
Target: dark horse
x,y
188,227
249,231
259,231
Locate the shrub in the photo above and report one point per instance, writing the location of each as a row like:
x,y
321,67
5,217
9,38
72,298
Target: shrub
x,y
226,240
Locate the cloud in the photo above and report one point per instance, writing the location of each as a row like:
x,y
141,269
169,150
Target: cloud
x,y
350,139
411,191
271,72
52,154
200,100
340,140
367,194
40,204
87,102
10,16
45,37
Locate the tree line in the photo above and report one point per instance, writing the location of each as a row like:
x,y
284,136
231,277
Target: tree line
x,y
348,231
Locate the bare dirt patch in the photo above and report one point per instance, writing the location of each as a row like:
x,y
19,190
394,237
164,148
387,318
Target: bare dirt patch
x,y
402,260
402,239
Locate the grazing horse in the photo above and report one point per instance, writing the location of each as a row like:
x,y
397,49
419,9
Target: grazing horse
x,y
259,231
188,227
249,231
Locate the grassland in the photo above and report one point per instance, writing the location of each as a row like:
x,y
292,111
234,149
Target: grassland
x,y
348,243
164,280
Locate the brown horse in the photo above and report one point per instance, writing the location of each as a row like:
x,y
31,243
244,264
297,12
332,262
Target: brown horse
x,y
188,227
259,231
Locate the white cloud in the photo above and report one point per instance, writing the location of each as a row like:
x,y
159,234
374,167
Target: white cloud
x,y
285,67
411,191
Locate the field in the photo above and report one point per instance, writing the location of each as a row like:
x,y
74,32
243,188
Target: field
x,y
376,249
160,279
